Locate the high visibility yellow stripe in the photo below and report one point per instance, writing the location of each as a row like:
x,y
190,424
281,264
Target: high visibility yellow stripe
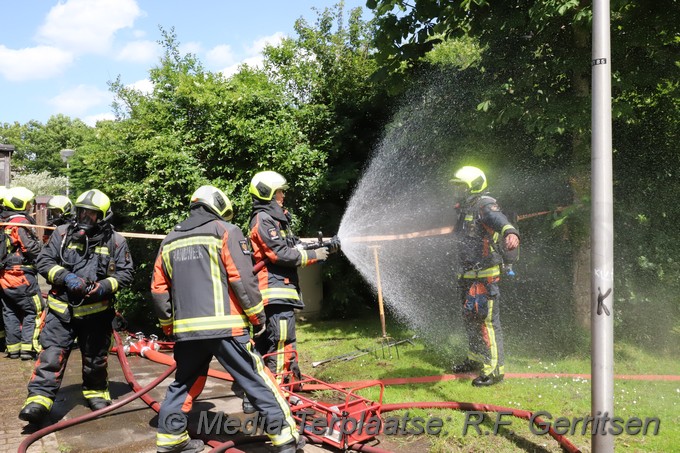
x,y
468,217
73,246
280,293
304,258
97,394
42,400
488,272
168,440
56,305
14,347
218,295
36,328
505,228
493,346
281,347
90,309
102,250
288,432
187,242
254,310
209,323
114,284
165,322
53,272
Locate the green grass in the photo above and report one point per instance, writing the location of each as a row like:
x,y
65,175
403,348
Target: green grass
x,y
561,397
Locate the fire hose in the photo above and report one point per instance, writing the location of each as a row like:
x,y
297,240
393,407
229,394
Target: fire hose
x,y
148,349
139,392
159,357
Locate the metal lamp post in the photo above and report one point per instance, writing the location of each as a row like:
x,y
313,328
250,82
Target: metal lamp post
x,y
65,156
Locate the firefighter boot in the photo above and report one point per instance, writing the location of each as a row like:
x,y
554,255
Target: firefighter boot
x,y
485,380
33,413
466,366
292,446
27,355
98,403
248,407
190,446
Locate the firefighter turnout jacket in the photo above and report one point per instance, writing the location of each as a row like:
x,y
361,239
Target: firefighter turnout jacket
x,y
22,245
274,243
103,259
203,283
18,278
479,232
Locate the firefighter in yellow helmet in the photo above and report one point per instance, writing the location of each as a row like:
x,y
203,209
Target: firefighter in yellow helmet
x,y
59,212
22,302
206,295
87,263
275,247
482,234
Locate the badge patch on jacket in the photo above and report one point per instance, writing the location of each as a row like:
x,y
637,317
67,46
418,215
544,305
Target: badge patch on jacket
x,y
273,233
244,247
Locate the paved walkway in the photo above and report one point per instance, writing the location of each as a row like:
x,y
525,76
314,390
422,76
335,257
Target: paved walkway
x,y
130,429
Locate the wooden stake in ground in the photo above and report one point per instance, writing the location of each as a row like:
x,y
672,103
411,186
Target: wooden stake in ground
x,y
379,285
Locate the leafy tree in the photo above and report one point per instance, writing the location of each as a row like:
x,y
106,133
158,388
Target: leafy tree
x,y
38,145
194,128
534,75
41,183
325,72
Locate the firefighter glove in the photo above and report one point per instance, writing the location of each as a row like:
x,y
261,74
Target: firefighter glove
x,y
96,290
258,330
74,284
321,253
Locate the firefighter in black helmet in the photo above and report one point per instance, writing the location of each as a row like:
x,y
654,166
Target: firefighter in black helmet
x,y
206,295
86,262
481,231
275,244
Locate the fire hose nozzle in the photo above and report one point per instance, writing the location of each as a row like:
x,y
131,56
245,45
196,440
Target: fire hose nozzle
x,y
333,244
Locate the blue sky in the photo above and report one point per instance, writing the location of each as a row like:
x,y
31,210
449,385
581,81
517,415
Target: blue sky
x,y
57,56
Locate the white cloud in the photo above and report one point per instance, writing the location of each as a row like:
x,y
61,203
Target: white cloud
x,y
91,120
259,44
190,47
87,26
139,52
221,55
76,101
144,85
33,63
253,56
253,62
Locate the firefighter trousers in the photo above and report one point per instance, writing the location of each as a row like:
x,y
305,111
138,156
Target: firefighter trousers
x,y
93,335
21,309
236,356
279,340
2,325
482,320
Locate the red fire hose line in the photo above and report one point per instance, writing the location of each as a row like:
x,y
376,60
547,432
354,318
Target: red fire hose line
x,y
83,418
562,440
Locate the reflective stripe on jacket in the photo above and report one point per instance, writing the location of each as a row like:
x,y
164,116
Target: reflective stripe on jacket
x,y
107,262
480,229
203,282
273,243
